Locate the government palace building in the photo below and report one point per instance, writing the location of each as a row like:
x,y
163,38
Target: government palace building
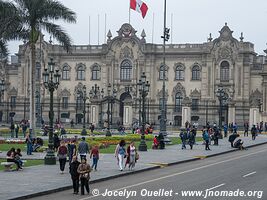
x,y
221,76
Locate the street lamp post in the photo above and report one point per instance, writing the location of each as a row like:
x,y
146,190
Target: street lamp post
x,y
84,97
163,118
221,94
51,82
111,97
143,86
2,89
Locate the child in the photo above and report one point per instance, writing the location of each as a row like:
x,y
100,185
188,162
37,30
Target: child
x,y
95,155
17,159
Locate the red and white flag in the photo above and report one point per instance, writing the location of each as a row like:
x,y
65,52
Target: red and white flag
x,y
139,6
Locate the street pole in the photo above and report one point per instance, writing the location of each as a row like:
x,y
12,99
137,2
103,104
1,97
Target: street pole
x,y
84,97
51,82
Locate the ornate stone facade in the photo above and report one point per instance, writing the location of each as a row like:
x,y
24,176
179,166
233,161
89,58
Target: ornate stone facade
x,y
193,73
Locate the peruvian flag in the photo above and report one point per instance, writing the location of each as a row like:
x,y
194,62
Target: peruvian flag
x,y
139,6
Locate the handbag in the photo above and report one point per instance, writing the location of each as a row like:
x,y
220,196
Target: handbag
x,y
136,156
85,175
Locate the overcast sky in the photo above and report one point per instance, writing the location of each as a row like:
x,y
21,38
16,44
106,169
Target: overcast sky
x,y
193,20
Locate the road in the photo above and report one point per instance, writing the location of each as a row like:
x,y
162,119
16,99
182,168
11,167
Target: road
x,y
242,171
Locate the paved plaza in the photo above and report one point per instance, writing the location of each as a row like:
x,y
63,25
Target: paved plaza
x,y
36,180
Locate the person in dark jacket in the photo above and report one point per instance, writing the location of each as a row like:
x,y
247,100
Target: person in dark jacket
x,y
253,132
232,139
183,137
56,142
74,174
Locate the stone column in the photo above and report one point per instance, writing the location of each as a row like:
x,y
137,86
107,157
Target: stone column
x,y
186,111
127,114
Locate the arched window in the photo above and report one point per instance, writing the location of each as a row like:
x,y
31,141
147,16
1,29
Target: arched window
x,y
80,73
178,101
196,72
126,70
95,72
179,72
65,73
224,71
161,72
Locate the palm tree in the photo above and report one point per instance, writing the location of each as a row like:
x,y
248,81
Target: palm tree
x,y
24,19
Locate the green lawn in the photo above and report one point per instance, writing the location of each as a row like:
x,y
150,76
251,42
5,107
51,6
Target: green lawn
x,y
7,147
27,164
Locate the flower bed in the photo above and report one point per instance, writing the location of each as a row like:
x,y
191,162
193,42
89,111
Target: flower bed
x,y
14,141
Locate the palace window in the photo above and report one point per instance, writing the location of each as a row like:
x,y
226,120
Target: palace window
x,y
224,71
80,73
96,72
161,72
195,104
196,72
126,70
179,72
65,73
65,102
178,102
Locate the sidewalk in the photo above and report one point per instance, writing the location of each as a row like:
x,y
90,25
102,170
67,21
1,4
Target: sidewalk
x,y
36,180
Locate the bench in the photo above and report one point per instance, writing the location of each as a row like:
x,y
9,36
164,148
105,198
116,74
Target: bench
x,y
9,165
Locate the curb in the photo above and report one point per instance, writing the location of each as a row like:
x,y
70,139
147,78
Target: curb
x,y
128,173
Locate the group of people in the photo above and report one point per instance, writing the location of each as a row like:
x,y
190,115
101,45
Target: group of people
x,y
130,154
79,170
188,136
15,128
14,155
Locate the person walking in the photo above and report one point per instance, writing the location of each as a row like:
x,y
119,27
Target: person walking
x,y
71,150
74,174
253,132
120,153
83,148
246,127
225,129
84,172
131,156
56,142
191,138
92,128
62,156
24,128
206,138
95,155
183,137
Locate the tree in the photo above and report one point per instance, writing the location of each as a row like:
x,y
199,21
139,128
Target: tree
x,y
24,20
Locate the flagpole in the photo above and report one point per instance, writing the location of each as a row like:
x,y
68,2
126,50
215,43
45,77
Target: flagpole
x,y
129,15
98,29
153,26
171,26
89,35
105,27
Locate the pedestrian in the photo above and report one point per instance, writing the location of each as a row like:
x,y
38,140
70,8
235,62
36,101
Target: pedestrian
x,y
84,171
74,174
17,130
131,156
225,129
206,138
120,153
72,123
216,135
83,148
246,127
95,155
71,150
12,128
92,128
183,137
253,132
29,144
24,128
17,159
191,139
62,156
56,142
232,139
